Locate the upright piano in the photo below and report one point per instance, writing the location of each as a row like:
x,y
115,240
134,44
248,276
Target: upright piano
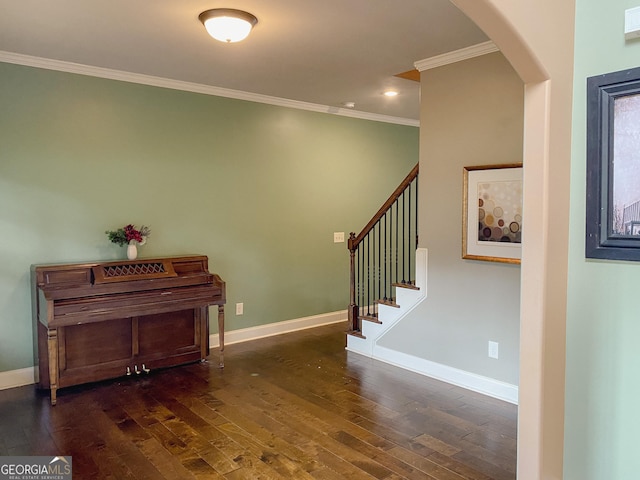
x,y
95,321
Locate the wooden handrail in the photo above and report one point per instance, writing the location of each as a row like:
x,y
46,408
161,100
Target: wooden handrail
x,y
354,240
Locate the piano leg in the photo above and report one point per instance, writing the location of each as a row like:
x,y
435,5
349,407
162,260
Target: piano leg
x,y
221,333
52,346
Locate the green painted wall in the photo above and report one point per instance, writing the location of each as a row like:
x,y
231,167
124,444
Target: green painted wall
x,y
259,189
603,322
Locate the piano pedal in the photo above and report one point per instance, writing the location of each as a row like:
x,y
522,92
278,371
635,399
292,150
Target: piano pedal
x,y
128,372
145,369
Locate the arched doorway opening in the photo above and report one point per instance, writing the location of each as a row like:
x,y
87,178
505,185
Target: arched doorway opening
x,y
543,58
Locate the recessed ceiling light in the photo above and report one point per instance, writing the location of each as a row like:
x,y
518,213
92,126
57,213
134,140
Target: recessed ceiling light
x,y
349,104
390,93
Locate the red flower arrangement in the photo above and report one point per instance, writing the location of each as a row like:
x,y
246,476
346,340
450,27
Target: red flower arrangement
x,y
129,234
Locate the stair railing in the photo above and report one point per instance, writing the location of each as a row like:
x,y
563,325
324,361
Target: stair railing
x,y
383,253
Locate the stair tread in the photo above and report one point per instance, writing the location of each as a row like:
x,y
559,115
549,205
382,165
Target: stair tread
x,y
355,333
370,318
410,286
390,302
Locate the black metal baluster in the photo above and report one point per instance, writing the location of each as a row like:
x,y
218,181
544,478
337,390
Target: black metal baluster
x,y
368,274
378,270
376,293
416,217
384,252
391,245
397,215
361,293
357,280
387,255
409,241
404,222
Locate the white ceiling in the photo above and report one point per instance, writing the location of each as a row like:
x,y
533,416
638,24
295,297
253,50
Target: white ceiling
x,y
324,52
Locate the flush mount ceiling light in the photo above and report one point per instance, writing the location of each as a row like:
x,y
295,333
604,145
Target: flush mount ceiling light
x,y
390,93
228,25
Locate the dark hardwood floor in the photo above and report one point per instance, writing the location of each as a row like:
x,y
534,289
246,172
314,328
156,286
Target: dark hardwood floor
x,y
293,406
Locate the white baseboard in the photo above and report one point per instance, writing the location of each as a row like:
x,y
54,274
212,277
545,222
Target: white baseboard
x,y
461,378
262,331
471,381
26,376
17,378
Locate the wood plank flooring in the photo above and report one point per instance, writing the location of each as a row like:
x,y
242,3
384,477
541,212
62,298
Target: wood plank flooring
x,y
292,406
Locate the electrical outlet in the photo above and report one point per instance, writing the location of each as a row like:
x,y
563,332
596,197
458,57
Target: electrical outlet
x,y
239,308
493,349
338,237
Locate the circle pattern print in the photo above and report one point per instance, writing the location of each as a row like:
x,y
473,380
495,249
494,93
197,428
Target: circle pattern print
x,y
500,211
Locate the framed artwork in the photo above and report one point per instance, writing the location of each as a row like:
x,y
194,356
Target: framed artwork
x,y
492,213
613,166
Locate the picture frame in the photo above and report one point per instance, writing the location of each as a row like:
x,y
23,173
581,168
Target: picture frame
x,y
613,166
492,213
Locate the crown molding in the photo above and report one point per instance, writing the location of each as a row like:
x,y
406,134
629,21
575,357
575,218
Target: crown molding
x,y
456,56
80,69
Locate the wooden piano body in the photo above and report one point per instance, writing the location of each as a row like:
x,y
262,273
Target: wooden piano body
x,y
95,321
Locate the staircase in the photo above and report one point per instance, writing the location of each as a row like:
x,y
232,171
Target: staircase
x,y
387,271
389,282
372,328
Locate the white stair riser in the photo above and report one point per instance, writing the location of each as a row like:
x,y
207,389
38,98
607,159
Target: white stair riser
x,y
360,345
405,296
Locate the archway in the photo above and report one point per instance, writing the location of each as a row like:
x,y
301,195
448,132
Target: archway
x,y
543,57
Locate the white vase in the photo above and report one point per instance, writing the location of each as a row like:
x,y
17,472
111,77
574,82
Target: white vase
x,y
132,251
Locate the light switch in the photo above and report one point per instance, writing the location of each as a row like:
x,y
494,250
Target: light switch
x,y
632,23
